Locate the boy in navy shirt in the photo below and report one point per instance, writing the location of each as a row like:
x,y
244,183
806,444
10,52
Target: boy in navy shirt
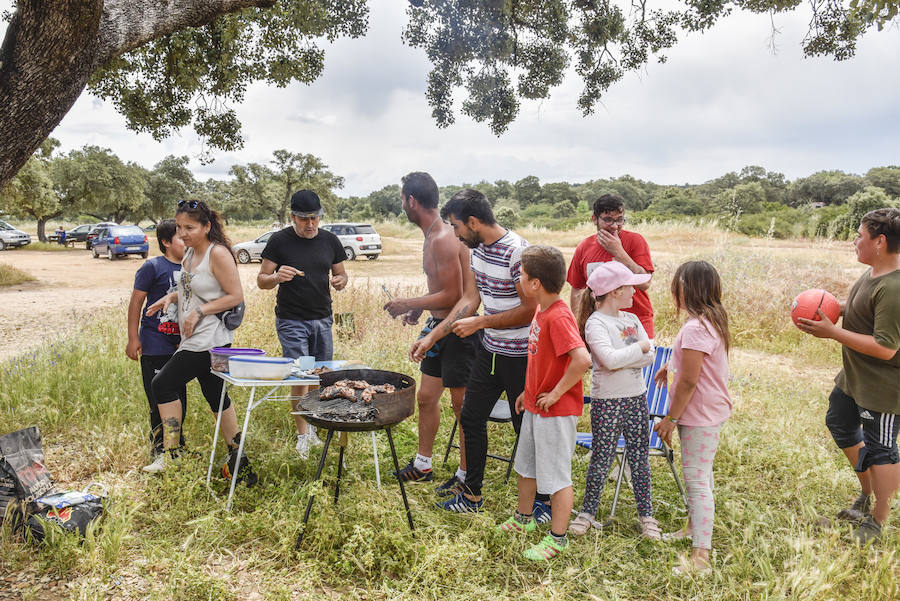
x,y
158,337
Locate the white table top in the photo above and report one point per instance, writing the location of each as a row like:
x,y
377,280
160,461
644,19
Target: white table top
x,y
289,381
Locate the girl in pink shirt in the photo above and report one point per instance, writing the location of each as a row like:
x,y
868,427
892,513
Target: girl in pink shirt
x,y
700,401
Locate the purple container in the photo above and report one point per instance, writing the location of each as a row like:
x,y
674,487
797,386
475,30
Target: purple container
x,y
218,357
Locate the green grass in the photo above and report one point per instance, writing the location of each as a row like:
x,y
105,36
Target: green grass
x,y
51,246
168,537
10,276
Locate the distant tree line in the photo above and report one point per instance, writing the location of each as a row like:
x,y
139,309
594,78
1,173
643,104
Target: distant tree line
x,y
94,182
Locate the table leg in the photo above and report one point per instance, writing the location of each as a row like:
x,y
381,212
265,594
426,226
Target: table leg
x,y
311,497
397,471
237,462
212,453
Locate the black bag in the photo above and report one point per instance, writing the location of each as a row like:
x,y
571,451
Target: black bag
x,y
23,475
73,518
233,317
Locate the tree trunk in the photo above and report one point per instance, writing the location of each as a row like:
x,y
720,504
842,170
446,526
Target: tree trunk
x,y
52,47
41,233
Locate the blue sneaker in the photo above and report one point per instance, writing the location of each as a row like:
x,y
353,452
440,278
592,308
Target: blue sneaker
x,y
541,511
460,504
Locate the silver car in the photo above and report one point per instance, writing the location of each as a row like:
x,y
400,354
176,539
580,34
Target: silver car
x,y
251,251
10,237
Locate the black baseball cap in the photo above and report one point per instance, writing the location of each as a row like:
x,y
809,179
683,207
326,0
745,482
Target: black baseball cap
x,y
306,203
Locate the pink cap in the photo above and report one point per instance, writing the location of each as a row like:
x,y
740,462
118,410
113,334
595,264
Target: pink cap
x,y
608,276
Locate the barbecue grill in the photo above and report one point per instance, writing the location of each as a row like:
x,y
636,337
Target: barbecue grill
x,y
345,415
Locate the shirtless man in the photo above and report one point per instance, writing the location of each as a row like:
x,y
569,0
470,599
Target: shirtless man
x,y
447,363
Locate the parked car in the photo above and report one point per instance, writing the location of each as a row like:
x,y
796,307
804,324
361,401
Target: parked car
x,y
357,239
120,240
76,234
10,237
94,231
250,251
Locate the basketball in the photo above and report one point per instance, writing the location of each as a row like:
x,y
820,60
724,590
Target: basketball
x,y
807,303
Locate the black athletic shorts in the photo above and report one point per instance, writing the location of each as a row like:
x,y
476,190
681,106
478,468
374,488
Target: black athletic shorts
x,y
450,358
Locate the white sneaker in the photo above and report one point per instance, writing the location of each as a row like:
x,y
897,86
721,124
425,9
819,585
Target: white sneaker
x,y
314,440
158,465
303,445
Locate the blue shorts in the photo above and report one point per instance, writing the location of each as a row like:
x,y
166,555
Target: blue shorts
x,y
851,424
306,337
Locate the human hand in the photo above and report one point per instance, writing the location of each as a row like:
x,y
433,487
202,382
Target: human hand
x,y
190,322
520,403
286,273
821,328
339,281
611,243
412,317
419,348
397,306
661,378
466,326
545,400
161,305
665,428
645,345
133,349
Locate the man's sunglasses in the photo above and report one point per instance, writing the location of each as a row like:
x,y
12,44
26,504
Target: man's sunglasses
x,y
191,204
610,220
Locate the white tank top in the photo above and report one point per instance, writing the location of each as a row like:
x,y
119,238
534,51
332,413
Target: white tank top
x,y
195,289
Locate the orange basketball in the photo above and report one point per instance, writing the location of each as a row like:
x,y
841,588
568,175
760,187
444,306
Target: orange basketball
x,y
809,302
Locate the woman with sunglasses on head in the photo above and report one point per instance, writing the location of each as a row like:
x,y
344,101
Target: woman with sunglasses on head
x,y
207,285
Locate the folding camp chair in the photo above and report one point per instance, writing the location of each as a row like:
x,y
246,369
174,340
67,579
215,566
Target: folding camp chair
x,y
499,414
658,407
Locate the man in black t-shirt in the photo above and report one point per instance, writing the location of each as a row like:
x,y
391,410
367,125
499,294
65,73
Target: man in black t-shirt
x,y
304,262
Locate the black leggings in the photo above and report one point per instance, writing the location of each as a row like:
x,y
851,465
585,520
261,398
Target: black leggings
x,y
491,375
150,366
183,367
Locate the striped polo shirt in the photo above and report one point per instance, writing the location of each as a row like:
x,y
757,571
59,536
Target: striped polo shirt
x,y
497,269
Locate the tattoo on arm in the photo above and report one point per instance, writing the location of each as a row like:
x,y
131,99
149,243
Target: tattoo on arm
x,y
463,312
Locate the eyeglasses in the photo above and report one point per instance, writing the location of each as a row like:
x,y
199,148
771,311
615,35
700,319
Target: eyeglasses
x,y
610,220
191,204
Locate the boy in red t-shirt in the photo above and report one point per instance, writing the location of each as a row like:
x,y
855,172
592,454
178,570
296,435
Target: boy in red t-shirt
x,y
553,401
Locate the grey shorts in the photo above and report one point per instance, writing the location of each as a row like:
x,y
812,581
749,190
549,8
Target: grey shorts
x,y
546,446
306,337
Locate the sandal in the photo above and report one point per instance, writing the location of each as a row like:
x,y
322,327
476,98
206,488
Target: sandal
x,y
581,524
650,527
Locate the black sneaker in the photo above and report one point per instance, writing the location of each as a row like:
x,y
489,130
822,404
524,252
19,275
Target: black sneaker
x,y
244,472
410,473
857,512
868,531
450,488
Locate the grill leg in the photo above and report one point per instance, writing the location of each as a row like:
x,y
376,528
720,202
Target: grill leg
x,y
390,438
450,441
337,485
311,497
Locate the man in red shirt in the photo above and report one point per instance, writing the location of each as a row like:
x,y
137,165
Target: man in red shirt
x,y
612,243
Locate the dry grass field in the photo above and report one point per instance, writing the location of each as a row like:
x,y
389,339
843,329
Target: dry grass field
x,y
168,536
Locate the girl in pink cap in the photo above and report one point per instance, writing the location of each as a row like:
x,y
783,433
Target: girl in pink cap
x,y
619,348
700,402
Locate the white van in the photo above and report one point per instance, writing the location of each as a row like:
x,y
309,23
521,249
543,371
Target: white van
x,y
357,239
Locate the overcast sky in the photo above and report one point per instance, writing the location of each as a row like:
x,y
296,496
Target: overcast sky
x,y
723,100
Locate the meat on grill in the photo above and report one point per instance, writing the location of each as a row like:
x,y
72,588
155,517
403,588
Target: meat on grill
x,y
346,389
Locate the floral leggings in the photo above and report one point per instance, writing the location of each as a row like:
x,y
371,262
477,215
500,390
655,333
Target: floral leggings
x,y
610,418
698,449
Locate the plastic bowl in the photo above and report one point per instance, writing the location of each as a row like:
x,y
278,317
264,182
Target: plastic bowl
x,y
305,363
218,357
260,368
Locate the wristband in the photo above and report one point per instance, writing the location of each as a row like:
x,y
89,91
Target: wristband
x,y
674,420
200,312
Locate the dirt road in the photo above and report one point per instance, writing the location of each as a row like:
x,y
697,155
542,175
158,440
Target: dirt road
x,y
72,286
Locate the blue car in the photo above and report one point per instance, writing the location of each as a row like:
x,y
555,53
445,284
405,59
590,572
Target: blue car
x,y
120,240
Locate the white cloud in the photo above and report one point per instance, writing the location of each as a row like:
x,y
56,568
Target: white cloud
x,y
722,101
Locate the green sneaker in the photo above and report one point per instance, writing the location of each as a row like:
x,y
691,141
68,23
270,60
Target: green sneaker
x,y
548,548
514,525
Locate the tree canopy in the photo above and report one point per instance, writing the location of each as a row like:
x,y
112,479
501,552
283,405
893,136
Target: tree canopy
x,y
169,65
